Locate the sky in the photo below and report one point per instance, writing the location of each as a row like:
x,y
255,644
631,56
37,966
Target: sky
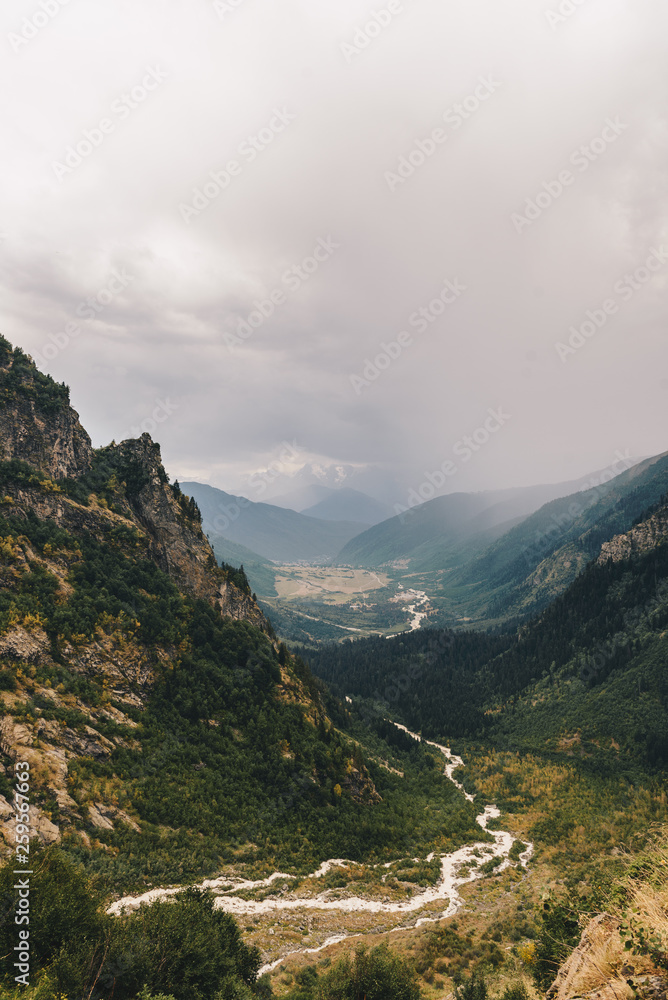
x,y
410,238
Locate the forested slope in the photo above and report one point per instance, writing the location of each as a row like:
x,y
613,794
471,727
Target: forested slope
x,y
168,732
593,661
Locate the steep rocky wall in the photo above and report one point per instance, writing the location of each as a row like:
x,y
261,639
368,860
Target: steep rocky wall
x,y
235,604
641,538
178,544
37,424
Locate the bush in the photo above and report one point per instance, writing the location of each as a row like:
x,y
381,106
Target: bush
x,y
378,974
559,934
176,949
473,988
516,991
7,680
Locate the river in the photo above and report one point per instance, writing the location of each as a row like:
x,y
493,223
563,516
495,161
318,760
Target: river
x,y
457,869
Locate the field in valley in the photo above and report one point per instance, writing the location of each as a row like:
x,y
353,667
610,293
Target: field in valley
x,y
332,603
329,584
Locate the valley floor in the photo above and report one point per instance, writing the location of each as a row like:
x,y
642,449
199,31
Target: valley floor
x,y
484,899
362,901
317,604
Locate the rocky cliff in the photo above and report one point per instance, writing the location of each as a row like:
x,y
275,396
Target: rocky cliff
x,y
176,541
38,424
647,535
39,428
108,587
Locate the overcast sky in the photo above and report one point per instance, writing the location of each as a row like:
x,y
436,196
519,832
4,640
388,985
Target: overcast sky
x,y
401,139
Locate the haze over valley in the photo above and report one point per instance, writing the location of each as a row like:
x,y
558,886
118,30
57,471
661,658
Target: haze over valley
x,y
334,500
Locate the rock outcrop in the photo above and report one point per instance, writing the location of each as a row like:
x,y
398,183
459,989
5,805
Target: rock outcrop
x,y
37,424
121,496
39,428
176,543
641,538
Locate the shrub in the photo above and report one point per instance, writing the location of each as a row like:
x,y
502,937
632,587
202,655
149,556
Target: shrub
x,y
176,949
378,974
516,991
559,934
472,988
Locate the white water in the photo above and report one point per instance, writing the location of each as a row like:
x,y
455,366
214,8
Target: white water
x,y
446,888
418,616
418,597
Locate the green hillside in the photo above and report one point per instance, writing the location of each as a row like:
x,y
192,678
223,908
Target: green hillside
x,y
592,662
533,562
260,571
489,563
275,533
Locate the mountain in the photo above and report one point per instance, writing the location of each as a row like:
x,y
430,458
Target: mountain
x,y
534,561
168,734
590,669
342,504
491,558
431,535
273,532
305,496
349,505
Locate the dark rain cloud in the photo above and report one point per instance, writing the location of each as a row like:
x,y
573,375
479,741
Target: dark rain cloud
x,y
235,225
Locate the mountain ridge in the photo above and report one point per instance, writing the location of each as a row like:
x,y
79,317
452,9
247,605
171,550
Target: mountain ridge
x,y
169,735
275,533
119,507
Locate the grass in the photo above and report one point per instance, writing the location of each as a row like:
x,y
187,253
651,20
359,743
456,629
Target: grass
x,y
600,840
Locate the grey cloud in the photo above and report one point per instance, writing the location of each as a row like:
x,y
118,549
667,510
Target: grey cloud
x,y
324,175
